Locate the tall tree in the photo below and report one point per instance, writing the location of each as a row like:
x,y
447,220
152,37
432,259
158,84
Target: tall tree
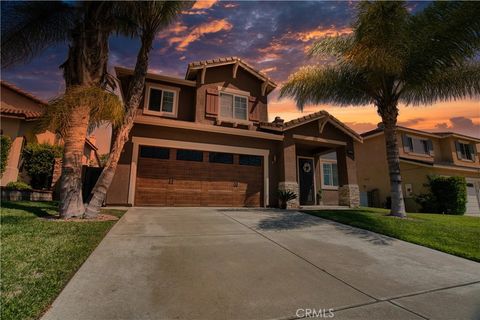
x,y
30,27
392,57
144,20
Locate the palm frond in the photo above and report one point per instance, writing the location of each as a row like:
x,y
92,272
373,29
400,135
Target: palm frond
x,y
458,82
331,46
103,106
30,27
339,85
445,34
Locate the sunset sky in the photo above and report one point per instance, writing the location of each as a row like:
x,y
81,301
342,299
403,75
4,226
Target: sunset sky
x,y
273,37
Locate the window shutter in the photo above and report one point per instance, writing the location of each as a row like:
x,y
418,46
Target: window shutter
x,y
430,148
253,109
406,144
459,151
473,150
211,102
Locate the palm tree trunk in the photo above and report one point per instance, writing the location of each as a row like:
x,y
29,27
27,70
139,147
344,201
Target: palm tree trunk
x,y
71,204
389,118
133,98
86,66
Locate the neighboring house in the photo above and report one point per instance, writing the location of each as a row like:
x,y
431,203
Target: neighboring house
x,y
421,154
206,141
19,114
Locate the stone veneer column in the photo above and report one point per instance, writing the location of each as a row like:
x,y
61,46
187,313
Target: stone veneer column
x,y
292,186
349,195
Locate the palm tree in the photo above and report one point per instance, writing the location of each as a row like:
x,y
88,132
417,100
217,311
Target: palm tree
x,y
394,57
29,28
145,21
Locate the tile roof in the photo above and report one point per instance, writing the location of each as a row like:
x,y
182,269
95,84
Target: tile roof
x,y
28,112
438,134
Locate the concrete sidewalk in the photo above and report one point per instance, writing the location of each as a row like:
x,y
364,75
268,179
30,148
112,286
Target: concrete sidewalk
x,y
210,263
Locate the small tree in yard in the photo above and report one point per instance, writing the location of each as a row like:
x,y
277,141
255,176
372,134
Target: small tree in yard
x,y
38,160
447,195
393,56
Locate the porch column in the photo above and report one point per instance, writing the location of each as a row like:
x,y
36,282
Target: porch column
x,y
288,175
348,191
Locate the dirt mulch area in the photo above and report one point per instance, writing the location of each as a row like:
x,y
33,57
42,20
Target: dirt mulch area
x,y
99,217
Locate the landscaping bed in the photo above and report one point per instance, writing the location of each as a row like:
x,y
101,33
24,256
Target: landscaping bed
x,y
41,254
457,235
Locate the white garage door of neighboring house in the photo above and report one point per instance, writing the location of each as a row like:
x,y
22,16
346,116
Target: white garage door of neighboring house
x,y
473,195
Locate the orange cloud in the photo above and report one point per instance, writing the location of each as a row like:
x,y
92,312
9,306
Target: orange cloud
x,y
175,28
204,4
266,70
321,33
209,27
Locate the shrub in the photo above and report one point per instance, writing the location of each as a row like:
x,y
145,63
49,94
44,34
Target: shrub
x,y
38,163
6,143
19,185
284,196
447,195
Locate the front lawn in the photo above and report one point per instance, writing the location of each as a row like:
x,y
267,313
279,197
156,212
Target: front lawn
x,y
39,256
458,235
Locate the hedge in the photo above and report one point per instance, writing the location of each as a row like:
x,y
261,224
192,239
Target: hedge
x,y
38,162
447,195
5,146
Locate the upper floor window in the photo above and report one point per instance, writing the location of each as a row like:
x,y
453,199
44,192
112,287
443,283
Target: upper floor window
x,y
233,106
161,101
465,151
417,145
330,175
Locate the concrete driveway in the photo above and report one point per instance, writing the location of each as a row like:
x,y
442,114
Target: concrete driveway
x,y
206,263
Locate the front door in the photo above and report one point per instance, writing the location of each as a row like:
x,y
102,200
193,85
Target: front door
x,y
306,176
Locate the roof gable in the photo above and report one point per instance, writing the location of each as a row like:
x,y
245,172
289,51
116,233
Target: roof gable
x,y
200,66
320,115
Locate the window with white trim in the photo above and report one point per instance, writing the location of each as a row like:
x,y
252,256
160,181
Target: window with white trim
x,y
233,106
329,175
161,101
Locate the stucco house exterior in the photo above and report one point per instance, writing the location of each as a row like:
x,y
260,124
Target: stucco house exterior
x,y
421,154
205,140
19,114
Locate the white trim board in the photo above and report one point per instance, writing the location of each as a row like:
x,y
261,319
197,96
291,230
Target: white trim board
x,y
137,141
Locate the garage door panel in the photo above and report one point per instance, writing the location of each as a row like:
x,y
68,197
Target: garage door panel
x,y
174,182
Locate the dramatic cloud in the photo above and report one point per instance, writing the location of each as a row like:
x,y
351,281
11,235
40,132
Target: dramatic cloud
x,y
203,29
411,122
204,4
461,125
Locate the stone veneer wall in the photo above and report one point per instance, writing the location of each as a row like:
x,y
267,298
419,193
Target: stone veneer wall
x,y
292,186
349,195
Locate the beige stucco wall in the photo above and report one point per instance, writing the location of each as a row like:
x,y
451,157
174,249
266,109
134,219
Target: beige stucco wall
x,y
372,167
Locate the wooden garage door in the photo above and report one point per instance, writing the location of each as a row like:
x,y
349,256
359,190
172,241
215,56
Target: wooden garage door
x,y
176,177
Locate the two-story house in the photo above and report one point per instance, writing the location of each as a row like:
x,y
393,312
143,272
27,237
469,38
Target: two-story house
x,y
205,140
421,154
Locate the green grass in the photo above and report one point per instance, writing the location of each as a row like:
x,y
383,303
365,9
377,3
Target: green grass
x,y
457,235
39,256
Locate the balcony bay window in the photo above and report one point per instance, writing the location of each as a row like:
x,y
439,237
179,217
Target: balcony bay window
x,y
233,106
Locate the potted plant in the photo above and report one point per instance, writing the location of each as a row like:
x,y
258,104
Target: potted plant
x,y
319,197
284,196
